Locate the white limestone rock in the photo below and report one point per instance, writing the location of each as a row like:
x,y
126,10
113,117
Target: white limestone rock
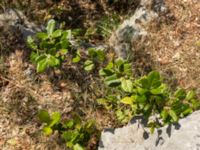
x,y
133,29
183,136
17,19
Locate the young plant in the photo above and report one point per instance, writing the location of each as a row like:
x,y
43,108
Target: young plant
x,y
75,132
151,98
49,48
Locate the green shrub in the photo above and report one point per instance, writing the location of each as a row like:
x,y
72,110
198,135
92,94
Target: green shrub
x,y
147,96
75,132
49,48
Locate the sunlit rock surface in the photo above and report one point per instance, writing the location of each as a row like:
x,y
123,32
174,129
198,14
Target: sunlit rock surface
x,y
183,136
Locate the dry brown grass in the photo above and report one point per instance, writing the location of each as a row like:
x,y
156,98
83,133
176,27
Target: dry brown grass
x,y
172,43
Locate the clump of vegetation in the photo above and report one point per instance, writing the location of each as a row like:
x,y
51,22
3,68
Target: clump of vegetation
x,y
148,96
51,48
125,95
75,132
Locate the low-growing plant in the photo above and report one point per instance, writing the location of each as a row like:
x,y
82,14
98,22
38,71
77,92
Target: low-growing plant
x,y
75,132
149,97
50,49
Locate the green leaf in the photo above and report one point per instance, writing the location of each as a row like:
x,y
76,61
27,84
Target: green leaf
x,y
44,61
172,113
78,147
88,65
190,95
154,79
164,114
92,52
47,130
68,124
154,75
52,61
31,43
42,35
105,72
145,83
127,68
50,27
141,91
57,33
141,98
44,116
77,58
100,55
34,57
127,100
180,94
160,90
113,81
127,85
187,111
64,44
55,118
67,135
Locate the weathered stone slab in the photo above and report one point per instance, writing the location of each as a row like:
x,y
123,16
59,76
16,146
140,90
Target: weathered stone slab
x,y
183,136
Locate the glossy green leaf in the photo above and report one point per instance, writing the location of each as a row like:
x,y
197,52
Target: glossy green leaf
x,y
31,43
180,94
127,85
77,57
42,65
67,135
100,55
154,79
42,35
145,83
160,90
68,124
172,113
105,72
34,57
187,111
164,114
78,147
190,95
57,33
141,98
47,130
153,76
52,61
88,65
127,100
113,81
50,27
55,118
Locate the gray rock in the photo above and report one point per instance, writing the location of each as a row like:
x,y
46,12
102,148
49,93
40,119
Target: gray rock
x,y
182,136
133,29
17,19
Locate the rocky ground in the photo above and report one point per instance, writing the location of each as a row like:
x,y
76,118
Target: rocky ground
x,y
172,46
